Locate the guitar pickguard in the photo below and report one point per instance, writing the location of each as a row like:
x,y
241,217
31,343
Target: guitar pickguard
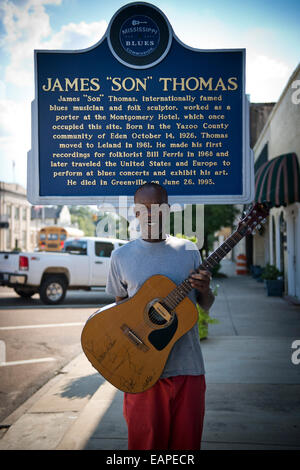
x,y
160,338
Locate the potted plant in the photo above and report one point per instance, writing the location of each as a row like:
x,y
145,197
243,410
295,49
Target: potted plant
x,y
256,272
273,280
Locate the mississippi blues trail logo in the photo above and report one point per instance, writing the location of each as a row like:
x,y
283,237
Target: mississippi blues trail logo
x,y
139,35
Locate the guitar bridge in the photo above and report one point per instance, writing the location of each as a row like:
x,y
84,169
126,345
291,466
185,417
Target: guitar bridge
x,y
133,337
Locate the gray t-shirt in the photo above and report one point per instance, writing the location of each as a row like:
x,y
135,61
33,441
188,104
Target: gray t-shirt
x,y
133,263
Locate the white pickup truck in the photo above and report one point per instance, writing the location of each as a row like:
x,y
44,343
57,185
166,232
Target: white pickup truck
x,y
83,264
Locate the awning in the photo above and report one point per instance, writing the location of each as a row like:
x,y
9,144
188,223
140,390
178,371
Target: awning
x,y
277,181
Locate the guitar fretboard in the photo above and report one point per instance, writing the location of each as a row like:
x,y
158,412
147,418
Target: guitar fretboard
x,y
183,289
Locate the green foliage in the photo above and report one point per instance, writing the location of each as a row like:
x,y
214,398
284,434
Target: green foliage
x,y
270,272
83,216
215,217
203,316
192,239
204,319
215,270
112,222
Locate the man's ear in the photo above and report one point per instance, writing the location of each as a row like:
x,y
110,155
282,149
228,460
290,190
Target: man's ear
x,y
136,211
140,210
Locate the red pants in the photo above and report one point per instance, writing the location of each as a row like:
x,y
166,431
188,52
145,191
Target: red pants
x,y
168,416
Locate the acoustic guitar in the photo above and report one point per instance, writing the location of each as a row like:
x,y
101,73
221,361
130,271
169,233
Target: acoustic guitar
x,y
129,342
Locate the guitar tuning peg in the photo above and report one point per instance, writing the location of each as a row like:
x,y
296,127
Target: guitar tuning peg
x,y
264,221
258,226
253,232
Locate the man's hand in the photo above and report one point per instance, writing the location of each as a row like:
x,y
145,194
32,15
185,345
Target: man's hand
x,y
200,281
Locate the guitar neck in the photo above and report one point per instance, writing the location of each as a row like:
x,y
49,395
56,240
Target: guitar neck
x,y
215,258
183,289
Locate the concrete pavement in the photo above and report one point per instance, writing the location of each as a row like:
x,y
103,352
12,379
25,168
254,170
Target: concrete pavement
x,y
253,388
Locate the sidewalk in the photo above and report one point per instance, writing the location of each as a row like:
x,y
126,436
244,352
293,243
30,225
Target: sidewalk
x,y
253,388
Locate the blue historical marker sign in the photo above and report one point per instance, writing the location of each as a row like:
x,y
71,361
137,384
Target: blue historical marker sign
x,y
140,106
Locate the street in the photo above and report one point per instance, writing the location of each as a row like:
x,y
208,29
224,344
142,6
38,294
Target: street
x,y
36,341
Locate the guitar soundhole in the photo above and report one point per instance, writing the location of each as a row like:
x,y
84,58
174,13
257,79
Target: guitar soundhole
x,y
155,317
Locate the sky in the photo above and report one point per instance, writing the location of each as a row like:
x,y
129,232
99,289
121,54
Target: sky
x,y
268,29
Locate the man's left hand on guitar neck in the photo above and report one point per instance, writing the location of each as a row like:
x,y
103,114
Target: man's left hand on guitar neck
x,y
201,282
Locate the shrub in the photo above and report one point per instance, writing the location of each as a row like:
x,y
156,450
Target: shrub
x,y
271,272
204,319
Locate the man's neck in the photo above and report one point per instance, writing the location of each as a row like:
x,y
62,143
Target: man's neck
x,y
155,240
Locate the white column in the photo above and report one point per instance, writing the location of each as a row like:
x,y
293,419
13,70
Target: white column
x,y
297,251
20,226
290,239
277,240
293,249
271,242
12,228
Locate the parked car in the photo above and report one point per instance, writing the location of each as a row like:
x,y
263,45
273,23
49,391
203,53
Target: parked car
x,y
83,264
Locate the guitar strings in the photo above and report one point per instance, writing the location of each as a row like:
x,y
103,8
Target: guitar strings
x,y
182,290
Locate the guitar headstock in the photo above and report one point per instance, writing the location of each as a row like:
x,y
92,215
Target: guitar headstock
x,y
254,218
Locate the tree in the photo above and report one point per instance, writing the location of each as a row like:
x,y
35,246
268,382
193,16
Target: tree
x,y
110,224
215,217
83,216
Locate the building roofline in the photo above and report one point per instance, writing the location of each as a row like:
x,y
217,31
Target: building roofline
x,y
286,88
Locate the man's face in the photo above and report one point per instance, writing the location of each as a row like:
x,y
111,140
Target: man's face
x,y
147,203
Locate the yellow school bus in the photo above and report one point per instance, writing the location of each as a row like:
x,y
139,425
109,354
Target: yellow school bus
x,y
52,238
